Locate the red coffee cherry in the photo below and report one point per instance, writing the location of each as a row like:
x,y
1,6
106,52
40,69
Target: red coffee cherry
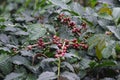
x,y
67,46
59,45
64,48
56,39
76,45
74,40
40,43
68,19
60,53
65,20
66,41
71,23
85,47
61,16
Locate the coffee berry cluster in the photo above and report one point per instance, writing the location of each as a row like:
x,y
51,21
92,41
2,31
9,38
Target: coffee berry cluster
x,y
64,44
71,24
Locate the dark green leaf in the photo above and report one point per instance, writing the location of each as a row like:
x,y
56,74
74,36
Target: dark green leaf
x,y
107,63
76,7
5,65
13,76
69,66
20,60
36,31
115,31
47,76
116,13
60,4
70,76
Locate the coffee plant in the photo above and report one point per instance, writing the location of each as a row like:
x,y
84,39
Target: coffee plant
x,y
60,40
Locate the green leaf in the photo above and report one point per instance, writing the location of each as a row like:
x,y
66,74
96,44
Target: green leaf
x,y
47,61
104,22
21,33
5,64
4,50
70,76
36,31
47,76
107,63
104,63
65,33
66,1
26,53
116,13
68,66
59,3
13,76
98,53
84,64
93,3
99,42
109,50
105,10
20,60
100,46
93,64
4,38
105,16
108,79
30,77
50,28
76,7
103,45
2,19
94,40
115,31
117,48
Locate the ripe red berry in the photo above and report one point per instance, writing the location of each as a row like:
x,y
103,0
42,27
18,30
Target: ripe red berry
x,y
71,23
64,48
60,53
73,30
76,45
56,39
59,45
57,55
65,20
54,36
40,43
67,46
66,41
68,19
74,40
61,16
63,54
85,46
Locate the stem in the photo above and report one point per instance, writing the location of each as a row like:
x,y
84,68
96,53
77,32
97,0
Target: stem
x,y
59,62
63,45
59,68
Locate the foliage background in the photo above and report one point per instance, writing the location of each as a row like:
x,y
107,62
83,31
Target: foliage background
x,y
23,22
